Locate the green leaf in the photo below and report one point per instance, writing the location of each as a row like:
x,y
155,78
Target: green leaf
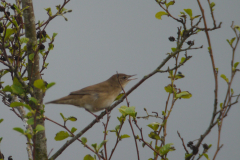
x,y
20,130
188,155
154,125
25,78
40,84
169,3
34,100
1,139
119,96
24,40
101,144
61,135
31,56
154,135
168,88
235,64
221,105
189,12
50,85
73,119
184,94
122,110
212,5
166,148
50,46
121,119
94,146
124,136
9,32
30,121
131,111
17,89
84,140
179,76
232,91
173,49
1,120
232,40
54,35
195,17
88,157
40,128
16,104
224,77
206,156
63,117
49,11
7,89
237,27
160,14
73,129
182,60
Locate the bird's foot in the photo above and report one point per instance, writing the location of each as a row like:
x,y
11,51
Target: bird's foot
x,y
93,115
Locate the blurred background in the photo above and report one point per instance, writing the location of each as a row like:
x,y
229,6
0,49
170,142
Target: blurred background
x,y
102,37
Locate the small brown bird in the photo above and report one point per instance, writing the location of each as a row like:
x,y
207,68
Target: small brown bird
x,y
96,97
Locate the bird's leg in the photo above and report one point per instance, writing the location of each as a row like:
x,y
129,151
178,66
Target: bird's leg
x,y
106,110
93,115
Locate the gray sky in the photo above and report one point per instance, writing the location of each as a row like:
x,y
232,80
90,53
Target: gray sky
x,y
102,37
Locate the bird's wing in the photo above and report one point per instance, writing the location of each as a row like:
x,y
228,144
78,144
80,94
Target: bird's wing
x,y
91,90
83,92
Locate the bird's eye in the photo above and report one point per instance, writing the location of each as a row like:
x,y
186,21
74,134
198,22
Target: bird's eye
x,y
124,77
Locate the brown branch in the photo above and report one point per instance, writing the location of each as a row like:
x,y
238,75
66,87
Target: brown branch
x,y
182,142
64,126
105,135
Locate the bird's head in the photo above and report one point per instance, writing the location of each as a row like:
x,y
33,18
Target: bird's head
x,y
121,78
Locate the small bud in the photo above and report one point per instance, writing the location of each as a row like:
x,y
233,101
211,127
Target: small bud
x,y
172,39
2,9
3,58
1,29
69,10
195,150
205,146
10,158
12,7
190,42
190,143
41,46
8,13
65,19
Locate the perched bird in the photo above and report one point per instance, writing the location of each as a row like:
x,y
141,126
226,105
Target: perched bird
x,y
96,97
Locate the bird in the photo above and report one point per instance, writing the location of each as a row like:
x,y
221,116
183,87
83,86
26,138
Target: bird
x,y
96,97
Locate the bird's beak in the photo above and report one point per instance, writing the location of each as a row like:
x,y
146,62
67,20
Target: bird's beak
x,y
131,76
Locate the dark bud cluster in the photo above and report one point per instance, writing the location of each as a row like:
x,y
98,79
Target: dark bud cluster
x,y
41,46
10,158
192,147
3,58
172,39
8,13
1,29
43,34
2,9
205,146
9,98
12,7
190,43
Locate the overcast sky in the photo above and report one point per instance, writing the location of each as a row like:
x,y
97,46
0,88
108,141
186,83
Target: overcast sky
x,y
102,37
